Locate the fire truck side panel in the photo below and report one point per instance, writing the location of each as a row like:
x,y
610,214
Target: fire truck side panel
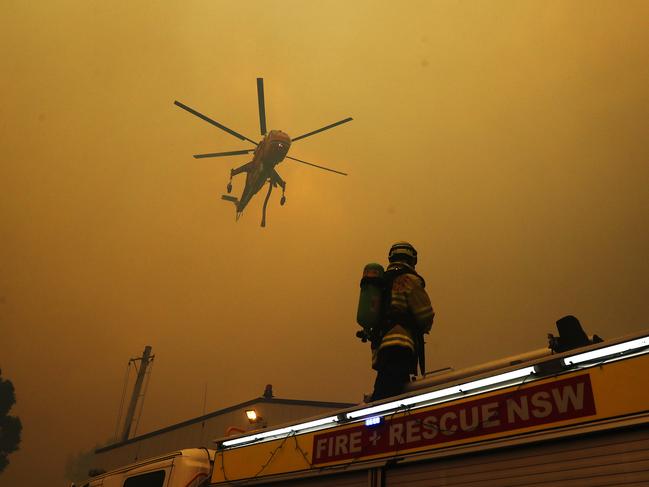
x,y
603,458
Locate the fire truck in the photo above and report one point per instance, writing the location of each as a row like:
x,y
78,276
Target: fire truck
x,y
575,418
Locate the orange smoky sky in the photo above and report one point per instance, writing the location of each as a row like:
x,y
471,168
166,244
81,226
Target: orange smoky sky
x,y
506,140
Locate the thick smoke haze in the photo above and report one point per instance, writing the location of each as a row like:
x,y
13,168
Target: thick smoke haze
x,y
506,140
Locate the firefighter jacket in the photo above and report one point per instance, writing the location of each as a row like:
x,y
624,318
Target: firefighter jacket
x,y
409,311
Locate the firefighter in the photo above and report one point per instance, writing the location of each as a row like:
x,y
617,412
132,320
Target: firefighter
x,y
407,315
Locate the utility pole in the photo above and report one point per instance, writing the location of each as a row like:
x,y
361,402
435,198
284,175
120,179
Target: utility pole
x,y
145,359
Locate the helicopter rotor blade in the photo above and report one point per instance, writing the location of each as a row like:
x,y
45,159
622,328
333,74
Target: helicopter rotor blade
x,y
213,122
349,119
262,105
315,165
221,154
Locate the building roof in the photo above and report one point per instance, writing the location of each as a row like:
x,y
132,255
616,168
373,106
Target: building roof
x,y
251,402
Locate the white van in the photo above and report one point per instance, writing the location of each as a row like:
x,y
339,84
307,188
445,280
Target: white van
x,y
183,468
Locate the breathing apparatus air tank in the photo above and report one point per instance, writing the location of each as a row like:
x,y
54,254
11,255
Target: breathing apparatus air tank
x,y
370,299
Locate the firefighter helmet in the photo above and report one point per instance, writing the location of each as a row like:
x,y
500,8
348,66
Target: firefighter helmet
x,y
399,250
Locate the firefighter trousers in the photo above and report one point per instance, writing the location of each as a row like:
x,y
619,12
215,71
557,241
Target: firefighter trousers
x,y
393,372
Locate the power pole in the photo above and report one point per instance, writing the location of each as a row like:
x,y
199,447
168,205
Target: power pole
x,y
145,359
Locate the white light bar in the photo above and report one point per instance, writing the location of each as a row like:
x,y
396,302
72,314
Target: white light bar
x,y
620,348
393,405
422,399
497,379
390,406
318,423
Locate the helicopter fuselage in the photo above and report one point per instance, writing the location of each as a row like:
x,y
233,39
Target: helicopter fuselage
x,y
271,151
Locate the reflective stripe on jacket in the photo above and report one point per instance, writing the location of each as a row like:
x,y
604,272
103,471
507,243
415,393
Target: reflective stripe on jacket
x,y
408,298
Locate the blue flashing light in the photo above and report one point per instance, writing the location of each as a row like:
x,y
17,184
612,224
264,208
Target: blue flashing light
x,y
373,421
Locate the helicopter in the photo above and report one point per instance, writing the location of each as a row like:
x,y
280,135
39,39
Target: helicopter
x,y
270,151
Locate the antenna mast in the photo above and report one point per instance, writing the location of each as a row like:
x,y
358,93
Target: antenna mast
x,y
145,360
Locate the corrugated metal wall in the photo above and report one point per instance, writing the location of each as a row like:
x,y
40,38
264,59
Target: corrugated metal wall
x,y
611,458
347,479
198,434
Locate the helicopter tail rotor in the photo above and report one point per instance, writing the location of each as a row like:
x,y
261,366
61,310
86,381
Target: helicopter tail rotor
x,y
230,198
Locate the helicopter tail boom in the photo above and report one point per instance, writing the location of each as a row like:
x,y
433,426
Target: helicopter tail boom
x,y
233,200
